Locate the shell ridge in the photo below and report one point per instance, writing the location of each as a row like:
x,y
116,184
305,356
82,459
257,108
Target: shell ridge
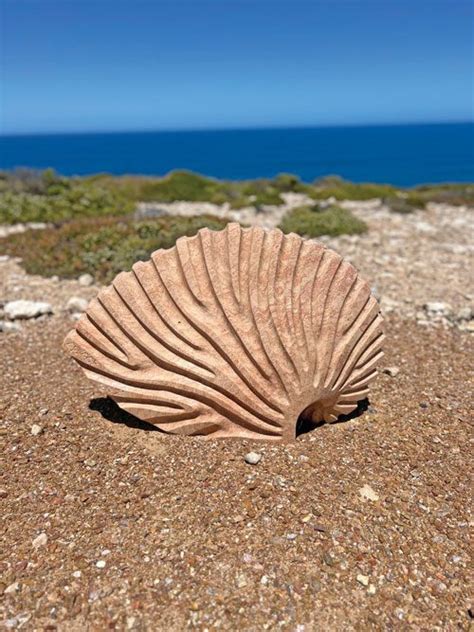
x,y
257,422
228,321
81,334
358,350
322,319
255,300
181,337
148,349
350,338
234,233
89,327
335,352
266,332
275,313
218,349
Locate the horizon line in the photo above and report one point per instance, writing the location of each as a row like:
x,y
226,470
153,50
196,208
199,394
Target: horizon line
x,y
236,128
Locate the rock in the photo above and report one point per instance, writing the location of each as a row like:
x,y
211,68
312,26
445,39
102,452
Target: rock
x,y
76,304
13,588
20,310
36,430
252,458
9,327
101,563
241,581
367,493
40,540
77,574
363,579
86,279
393,371
371,589
436,308
465,313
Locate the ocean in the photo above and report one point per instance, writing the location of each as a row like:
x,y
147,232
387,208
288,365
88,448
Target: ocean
x,y
403,155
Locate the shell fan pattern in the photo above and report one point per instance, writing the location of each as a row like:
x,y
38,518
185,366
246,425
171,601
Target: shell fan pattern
x,y
235,333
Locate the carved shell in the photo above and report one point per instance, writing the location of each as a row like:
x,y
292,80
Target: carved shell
x,y
233,333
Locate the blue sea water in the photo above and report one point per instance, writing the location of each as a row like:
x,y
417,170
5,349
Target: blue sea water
x,y
403,155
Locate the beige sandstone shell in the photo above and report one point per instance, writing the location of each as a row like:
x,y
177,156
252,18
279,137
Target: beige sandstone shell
x,y
233,333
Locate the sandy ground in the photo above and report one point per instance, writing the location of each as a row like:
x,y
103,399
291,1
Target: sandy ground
x,y
361,525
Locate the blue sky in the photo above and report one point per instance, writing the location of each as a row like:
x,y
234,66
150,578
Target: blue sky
x,y
77,65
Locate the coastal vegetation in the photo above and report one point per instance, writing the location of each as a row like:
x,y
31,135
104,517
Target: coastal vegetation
x,y
102,247
92,226
313,221
43,196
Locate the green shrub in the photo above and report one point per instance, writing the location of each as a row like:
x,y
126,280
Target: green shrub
x,y
101,246
313,222
333,186
286,182
455,194
405,203
180,185
66,200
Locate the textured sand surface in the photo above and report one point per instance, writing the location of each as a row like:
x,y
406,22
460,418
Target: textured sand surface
x,y
361,525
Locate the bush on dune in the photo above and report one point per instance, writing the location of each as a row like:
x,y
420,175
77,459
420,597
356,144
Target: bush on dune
x,y
311,221
62,199
334,186
102,247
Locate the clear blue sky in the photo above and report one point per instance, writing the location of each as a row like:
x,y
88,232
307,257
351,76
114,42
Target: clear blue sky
x,y
73,65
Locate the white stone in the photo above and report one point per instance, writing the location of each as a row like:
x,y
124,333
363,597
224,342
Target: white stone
x,y
9,327
100,563
17,310
437,308
367,493
363,579
252,458
86,279
76,305
13,588
40,540
36,430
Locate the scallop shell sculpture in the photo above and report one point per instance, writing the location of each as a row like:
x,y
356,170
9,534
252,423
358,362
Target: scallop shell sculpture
x,y
235,333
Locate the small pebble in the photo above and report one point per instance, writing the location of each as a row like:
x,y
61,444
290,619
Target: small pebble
x,y
76,305
77,574
393,371
363,579
40,540
100,563
252,458
367,493
13,588
36,430
86,280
